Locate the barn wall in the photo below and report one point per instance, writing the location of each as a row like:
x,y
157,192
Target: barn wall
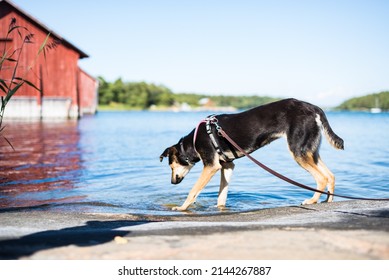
x,y
23,108
56,73
88,87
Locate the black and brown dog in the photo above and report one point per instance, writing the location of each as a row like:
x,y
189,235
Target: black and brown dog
x,y
300,122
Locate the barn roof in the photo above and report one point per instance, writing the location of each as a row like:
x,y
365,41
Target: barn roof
x,y
42,26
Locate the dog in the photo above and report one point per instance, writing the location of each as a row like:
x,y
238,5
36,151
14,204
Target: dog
x,y
300,122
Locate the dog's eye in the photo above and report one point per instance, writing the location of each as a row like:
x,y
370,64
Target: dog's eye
x,y
184,160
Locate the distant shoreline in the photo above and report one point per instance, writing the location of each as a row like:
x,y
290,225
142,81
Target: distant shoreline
x,y
227,109
123,107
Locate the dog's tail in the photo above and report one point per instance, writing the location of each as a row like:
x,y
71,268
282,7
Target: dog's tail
x,y
332,138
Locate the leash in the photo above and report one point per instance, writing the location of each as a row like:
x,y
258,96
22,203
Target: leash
x,y
222,133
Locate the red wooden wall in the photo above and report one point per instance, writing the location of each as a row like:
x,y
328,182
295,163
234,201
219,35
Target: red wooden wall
x,y
56,73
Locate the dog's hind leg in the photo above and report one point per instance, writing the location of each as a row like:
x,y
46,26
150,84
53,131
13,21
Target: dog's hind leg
x,y
308,163
330,177
205,177
226,173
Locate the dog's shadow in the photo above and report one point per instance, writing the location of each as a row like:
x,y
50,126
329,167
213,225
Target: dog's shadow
x,y
90,234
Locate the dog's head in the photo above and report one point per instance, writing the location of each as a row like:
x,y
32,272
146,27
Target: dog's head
x,y
178,162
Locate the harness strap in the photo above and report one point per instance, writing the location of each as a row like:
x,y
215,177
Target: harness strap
x,y
208,121
213,120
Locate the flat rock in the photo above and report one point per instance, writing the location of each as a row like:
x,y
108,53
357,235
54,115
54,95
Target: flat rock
x,y
340,230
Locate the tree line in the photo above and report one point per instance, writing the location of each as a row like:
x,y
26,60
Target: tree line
x,y
142,95
380,100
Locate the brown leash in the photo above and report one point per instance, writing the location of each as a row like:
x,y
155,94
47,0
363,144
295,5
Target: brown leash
x,y
282,177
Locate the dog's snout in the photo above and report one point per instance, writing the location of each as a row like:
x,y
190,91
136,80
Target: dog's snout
x,y
177,179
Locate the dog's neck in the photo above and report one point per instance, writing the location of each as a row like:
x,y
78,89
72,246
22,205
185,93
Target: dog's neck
x,y
188,150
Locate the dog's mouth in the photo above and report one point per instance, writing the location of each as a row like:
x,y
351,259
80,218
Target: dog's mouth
x,y
176,180
179,172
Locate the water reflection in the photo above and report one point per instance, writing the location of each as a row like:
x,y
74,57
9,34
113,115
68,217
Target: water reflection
x,y
46,158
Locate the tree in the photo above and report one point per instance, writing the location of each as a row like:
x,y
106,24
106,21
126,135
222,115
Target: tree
x,y
142,95
105,93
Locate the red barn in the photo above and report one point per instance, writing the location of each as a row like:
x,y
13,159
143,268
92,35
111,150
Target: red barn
x,y
66,90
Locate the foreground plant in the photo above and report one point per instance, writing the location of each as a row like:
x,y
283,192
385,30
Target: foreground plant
x,y
10,59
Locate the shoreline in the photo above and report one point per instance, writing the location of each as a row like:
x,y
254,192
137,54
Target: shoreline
x,y
228,109
339,230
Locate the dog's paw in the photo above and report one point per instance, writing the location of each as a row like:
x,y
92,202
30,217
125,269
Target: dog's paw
x,y
308,202
178,208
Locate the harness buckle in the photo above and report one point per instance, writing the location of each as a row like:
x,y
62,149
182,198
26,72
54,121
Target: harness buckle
x,y
213,120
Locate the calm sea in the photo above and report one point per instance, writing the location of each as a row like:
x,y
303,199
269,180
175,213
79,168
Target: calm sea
x,y
110,163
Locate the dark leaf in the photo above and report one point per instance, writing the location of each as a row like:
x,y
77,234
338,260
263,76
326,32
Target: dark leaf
x,y
9,143
12,92
31,85
3,86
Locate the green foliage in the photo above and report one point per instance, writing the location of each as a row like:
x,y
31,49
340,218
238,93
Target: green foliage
x,y
136,95
380,100
141,95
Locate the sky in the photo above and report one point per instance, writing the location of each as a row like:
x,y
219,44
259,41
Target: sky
x,y
323,52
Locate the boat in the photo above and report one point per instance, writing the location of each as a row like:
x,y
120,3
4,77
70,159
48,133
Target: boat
x,y
376,109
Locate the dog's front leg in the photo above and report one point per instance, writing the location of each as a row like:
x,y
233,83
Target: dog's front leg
x,y
206,175
226,173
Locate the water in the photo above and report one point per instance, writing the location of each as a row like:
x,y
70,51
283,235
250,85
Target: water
x,y
110,163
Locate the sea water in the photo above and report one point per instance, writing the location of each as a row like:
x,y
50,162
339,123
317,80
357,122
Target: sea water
x,y
109,163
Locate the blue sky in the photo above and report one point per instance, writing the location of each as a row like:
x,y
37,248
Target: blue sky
x,y
320,51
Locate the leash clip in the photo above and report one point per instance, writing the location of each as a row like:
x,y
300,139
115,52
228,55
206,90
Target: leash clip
x,y
217,126
213,120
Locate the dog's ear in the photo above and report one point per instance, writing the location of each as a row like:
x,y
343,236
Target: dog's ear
x,y
164,154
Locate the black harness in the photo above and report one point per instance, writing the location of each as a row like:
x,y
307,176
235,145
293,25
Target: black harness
x,y
214,135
